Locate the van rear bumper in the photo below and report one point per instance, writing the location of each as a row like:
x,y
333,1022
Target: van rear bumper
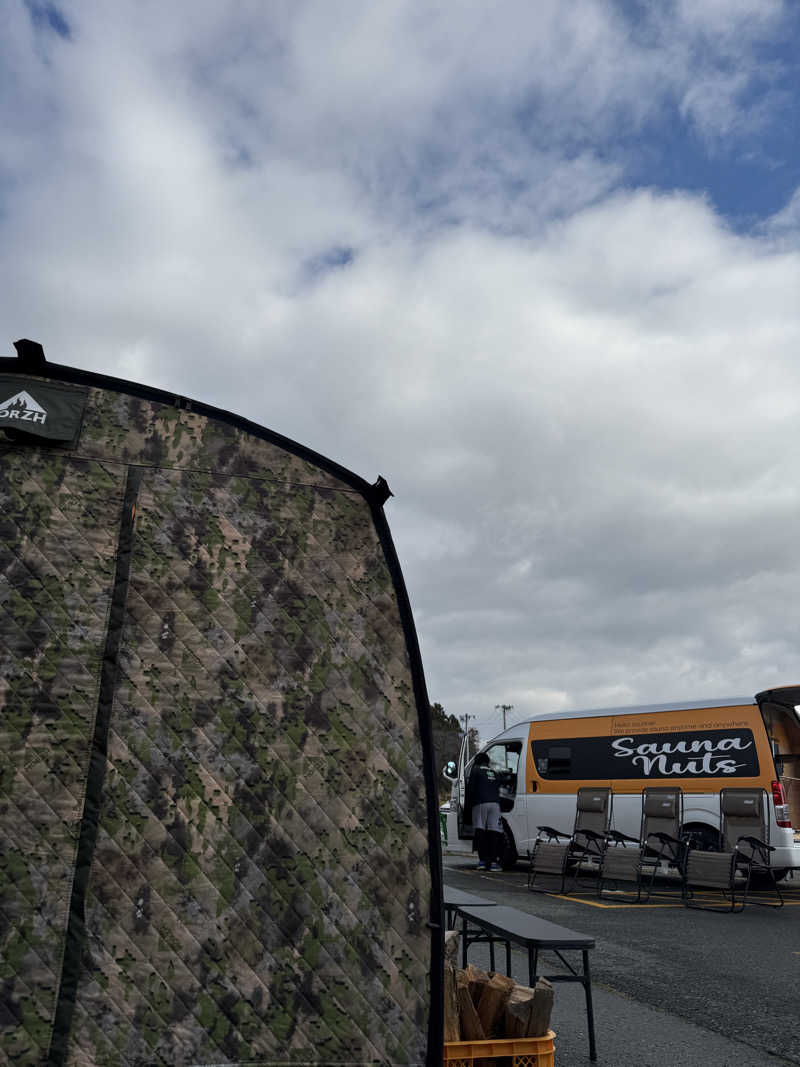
x,y
785,856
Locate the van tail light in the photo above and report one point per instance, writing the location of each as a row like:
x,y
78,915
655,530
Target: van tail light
x,y
782,813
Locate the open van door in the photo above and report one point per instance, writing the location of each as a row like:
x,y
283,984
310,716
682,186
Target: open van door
x,y
779,709
463,812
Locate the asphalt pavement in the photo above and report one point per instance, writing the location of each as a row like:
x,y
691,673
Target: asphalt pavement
x,y
671,986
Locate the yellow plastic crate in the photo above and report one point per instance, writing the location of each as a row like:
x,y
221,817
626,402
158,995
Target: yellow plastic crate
x,y
522,1051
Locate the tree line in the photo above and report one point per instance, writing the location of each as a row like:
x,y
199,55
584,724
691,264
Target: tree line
x,y
447,734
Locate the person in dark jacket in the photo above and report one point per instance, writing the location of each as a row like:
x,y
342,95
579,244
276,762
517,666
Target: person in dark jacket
x,y
484,796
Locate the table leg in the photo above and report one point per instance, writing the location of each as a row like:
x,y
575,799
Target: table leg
x,y
533,959
587,988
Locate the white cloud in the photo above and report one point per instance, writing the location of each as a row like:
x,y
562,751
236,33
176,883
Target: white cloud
x,y
409,241
784,226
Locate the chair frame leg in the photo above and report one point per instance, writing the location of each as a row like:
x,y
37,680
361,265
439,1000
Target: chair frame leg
x,y
763,903
743,900
548,874
603,882
532,873
725,890
731,909
645,879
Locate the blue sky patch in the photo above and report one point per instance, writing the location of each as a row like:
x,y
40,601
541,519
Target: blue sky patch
x,y
47,16
334,258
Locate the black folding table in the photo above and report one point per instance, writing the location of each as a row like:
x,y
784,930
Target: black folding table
x,y
500,923
455,898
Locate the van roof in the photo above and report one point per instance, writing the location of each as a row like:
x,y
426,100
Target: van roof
x,y
637,709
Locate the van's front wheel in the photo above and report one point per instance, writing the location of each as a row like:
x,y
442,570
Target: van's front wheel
x,y
508,852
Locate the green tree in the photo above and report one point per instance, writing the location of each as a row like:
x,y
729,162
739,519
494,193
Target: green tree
x,y
474,740
447,735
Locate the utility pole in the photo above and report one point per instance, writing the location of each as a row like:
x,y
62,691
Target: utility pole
x,y
504,708
465,718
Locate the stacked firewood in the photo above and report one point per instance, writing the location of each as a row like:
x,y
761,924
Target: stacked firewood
x,y
479,1006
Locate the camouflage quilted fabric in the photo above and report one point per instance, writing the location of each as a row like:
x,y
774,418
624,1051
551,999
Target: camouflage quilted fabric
x,y
214,820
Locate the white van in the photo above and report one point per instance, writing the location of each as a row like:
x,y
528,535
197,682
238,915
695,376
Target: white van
x,y
700,747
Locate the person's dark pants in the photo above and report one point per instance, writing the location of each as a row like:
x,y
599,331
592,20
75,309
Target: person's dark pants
x,y
477,843
488,839
489,845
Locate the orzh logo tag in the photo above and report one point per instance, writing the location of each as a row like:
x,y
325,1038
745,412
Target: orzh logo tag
x,y
33,410
23,408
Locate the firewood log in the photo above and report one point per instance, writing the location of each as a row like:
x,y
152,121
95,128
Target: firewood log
x,y
518,1011
477,980
471,1029
452,1026
452,943
542,1009
527,1011
493,1000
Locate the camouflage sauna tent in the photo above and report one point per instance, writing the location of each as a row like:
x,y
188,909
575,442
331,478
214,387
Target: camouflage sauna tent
x,y
218,826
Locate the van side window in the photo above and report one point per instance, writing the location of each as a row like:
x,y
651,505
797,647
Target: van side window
x,y
504,761
553,761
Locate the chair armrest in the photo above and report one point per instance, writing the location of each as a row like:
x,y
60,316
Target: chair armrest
x,y
592,835
551,832
756,845
665,839
620,838
590,842
756,842
672,849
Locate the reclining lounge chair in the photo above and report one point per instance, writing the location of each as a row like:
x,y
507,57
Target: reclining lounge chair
x,y
556,851
744,852
637,859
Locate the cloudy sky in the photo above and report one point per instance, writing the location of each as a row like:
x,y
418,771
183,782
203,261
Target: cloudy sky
x,y
538,264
